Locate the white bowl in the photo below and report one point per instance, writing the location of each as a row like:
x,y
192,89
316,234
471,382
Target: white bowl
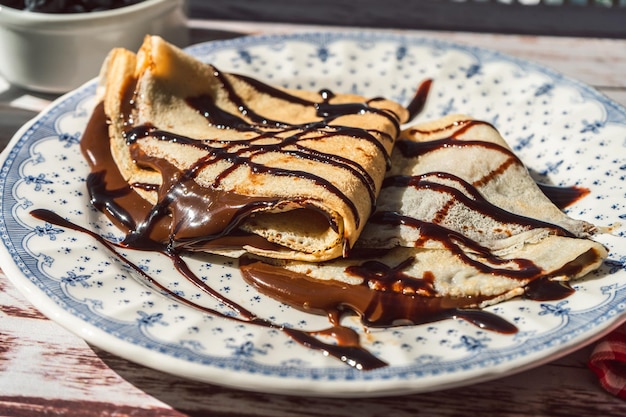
x,y
56,53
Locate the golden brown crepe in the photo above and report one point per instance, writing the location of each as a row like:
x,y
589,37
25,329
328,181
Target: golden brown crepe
x,y
458,220
305,168
443,217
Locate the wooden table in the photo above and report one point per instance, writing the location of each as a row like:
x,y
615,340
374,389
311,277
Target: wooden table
x,y
46,370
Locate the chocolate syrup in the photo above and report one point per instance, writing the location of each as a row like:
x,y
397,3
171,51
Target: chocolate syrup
x,y
546,289
385,278
475,201
188,217
413,149
347,349
563,197
456,242
459,127
416,105
376,308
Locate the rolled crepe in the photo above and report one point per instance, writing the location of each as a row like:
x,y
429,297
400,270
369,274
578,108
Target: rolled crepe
x,y
459,223
237,165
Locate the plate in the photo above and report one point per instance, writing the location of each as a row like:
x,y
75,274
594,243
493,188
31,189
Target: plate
x,y
566,132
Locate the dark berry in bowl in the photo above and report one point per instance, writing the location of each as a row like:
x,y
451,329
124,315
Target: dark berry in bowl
x,y
67,6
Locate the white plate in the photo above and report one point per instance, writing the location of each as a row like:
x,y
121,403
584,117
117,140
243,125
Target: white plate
x,y
566,132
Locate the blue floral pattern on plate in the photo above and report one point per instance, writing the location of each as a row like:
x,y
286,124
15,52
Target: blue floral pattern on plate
x,y
566,132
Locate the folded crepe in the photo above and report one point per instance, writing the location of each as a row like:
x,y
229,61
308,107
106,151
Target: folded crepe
x,y
231,164
441,218
459,223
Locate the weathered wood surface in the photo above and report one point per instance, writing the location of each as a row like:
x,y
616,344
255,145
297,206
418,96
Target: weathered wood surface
x,y
46,370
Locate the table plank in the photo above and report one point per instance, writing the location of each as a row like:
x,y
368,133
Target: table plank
x,y
560,389
45,367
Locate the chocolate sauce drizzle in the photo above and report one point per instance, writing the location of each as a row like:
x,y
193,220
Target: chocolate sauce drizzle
x,y
290,139
188,217
388,296
563,197
476,202
349,352
416,105
292,136
376,308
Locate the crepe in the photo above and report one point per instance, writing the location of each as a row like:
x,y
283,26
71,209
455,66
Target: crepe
x,y
329,206
460,173
236,165
459,223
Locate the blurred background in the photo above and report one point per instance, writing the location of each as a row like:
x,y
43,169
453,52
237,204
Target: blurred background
x,y
589,18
